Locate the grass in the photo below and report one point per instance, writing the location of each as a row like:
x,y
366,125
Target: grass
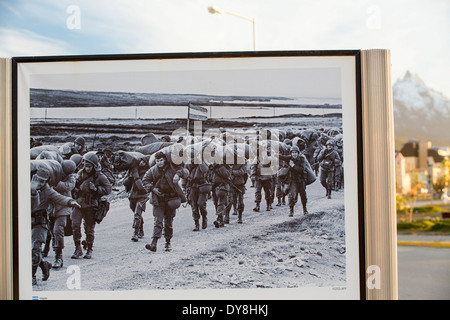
x,y
425,219
428,209
434,225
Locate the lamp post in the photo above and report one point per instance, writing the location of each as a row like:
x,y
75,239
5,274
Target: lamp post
x,y
213,10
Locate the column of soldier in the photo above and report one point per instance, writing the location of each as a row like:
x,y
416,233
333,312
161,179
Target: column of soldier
x,y
62,202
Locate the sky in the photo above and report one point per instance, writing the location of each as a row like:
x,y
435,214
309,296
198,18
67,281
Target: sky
x,y
415,31
293,83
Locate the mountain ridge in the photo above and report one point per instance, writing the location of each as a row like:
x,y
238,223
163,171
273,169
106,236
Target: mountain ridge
x,y
420,112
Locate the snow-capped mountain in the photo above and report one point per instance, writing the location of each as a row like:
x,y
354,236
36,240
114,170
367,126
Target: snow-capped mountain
x,y
420,112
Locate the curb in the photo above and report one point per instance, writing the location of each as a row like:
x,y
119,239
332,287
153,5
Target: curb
x,y
435,244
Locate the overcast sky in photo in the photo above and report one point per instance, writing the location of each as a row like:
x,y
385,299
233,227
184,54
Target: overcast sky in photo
x,y
293,83
415,31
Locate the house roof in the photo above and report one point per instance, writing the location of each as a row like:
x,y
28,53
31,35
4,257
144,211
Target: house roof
x,y
399,155
437,154
410,149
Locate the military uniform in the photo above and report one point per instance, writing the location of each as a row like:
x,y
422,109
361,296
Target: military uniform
x,y
282,176
137,196
297,179
220,178
64,187
90,187
236,192
198,188
339,168
262,181
40,200
328,157
165,193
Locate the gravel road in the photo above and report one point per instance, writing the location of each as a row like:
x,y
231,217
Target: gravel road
x,y
269,250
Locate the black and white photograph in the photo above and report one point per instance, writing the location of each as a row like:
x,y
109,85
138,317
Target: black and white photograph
x,y
189,177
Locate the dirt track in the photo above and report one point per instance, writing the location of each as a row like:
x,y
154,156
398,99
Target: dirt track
x,y
269,250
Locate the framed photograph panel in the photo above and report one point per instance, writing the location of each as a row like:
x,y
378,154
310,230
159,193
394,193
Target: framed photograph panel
x,y
189,176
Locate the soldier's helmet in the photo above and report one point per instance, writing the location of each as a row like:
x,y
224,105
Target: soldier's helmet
x,y
80,141
68,167
43,174
76,158
92,158
294,148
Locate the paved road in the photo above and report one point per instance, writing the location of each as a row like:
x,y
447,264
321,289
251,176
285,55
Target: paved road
x,y
423,273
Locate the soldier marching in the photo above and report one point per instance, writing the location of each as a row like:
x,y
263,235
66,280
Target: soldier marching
x,y
154,179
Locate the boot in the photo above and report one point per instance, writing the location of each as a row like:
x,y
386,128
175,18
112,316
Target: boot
x,y
135,236
196,226
152,246
141,230
88,254
58,263
136,226
218,222
239,217
305,210
34,270
291,211
268,206
283,201
167,246
45,267
78,254
227,218
329,193
204,222
279,202
256,208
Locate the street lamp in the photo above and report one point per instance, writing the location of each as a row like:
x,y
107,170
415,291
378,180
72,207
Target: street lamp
x,y
213,10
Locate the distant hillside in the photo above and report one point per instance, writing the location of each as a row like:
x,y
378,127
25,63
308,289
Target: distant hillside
x,y
420,112
44,98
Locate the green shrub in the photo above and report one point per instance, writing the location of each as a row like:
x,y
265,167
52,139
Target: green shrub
x,y
441,226
416,225
429,209
426,225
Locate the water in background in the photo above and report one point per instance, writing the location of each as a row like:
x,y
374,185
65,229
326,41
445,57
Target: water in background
x,y
173,112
